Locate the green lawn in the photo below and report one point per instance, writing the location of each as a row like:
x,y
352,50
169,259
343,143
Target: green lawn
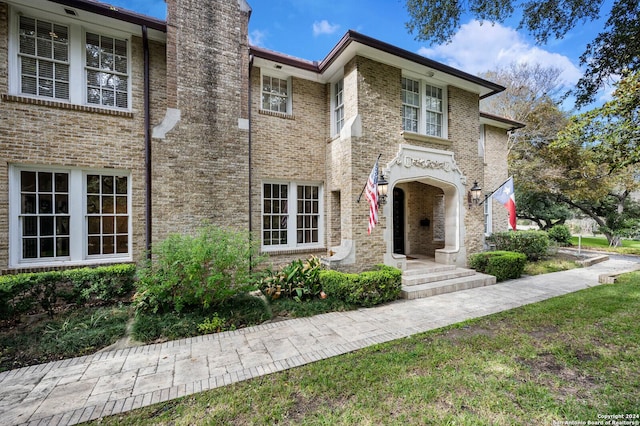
x,y
570,358
601,243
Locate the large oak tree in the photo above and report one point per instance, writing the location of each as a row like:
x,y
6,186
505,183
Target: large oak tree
x,y
613,52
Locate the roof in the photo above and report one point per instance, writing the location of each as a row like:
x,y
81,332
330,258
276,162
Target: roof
x,y
501,122
110,11
355,43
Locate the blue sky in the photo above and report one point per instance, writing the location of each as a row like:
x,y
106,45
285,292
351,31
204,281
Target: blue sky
x,y
308,29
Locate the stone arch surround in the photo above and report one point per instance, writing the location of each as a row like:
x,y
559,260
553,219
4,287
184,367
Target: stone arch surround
x,y
436,168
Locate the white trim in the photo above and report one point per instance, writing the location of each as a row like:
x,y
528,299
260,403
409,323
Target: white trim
x,y
422,109
292,202
77,218
77,56
281,76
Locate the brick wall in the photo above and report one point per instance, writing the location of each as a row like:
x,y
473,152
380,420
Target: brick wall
x,y
201,169
36,132
496,172
289,148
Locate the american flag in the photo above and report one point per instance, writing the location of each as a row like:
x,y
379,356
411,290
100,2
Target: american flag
x,y
371,192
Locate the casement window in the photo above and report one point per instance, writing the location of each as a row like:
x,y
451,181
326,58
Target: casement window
x,y
49,56
291,215
276,94
338,106
68,216
423,108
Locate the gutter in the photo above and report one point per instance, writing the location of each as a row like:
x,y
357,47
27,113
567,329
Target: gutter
x,y
114,12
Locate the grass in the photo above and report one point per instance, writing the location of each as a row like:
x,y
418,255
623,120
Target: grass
x,y
601,243
570,358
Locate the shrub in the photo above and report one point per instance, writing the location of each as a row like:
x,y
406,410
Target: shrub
x,y
504,265
298,280
560,234
196,271
533,244
25,292
365,289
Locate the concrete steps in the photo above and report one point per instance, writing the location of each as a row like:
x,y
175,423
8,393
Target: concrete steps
x,y
431,280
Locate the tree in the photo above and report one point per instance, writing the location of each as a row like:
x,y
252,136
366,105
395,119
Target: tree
x,y
613,51
531,96
593,162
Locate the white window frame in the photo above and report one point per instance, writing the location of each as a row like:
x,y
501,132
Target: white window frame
x,y
78,222
289,96
337,109
488,216
292,216
77,57
423,107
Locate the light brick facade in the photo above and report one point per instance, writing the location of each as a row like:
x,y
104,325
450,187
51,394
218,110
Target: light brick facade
x,y
215,149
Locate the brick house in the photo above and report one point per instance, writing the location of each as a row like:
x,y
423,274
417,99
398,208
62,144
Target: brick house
x,y
117,129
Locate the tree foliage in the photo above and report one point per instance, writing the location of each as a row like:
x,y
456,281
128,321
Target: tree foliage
x,y
613,51
592,165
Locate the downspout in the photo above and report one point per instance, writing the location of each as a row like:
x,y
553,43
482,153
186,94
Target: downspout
x,y
147,140
250,160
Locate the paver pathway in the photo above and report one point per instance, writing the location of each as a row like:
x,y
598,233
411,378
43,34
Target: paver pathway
x,y
80,389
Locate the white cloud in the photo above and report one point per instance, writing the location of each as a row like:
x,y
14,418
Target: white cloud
x,y
477,48
324,27
256,37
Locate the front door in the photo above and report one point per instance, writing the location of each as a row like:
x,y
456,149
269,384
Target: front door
x,y
398,221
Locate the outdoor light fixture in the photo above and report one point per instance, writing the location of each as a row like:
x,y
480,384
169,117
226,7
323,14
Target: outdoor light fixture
x,y
476,193
383,186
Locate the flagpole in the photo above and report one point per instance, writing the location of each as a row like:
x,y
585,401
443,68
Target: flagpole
x,y
486,197
365,185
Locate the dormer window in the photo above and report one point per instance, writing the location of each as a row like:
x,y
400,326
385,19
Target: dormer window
x,y
423,108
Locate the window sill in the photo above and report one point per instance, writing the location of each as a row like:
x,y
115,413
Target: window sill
x,y
277,114
275,252
417,137
65,105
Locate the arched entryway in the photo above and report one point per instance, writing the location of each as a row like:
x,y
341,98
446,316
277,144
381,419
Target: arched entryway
x,y
426,206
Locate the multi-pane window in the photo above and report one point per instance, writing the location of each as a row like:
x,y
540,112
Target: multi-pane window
x,y
106,71
410,104
44,214
275,214
290,215
68,215
434,112
49,55
338,108
308,214
423,108
43,58
107,214
275,94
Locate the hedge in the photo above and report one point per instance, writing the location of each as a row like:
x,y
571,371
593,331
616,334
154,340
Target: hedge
x,y
22,293
533,244
365,289
504,265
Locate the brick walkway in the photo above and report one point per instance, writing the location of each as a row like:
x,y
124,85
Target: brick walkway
x,y
86,388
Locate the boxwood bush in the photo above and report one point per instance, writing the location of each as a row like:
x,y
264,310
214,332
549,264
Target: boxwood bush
x,y
560,234
365,289
504,265
533,244
22,293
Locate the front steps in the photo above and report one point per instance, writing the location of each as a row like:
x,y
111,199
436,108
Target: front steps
x,y
425,279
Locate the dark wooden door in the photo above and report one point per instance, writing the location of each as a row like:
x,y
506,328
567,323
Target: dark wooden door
x,y
398,221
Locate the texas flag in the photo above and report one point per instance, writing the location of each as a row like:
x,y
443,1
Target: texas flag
x,y
505,195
